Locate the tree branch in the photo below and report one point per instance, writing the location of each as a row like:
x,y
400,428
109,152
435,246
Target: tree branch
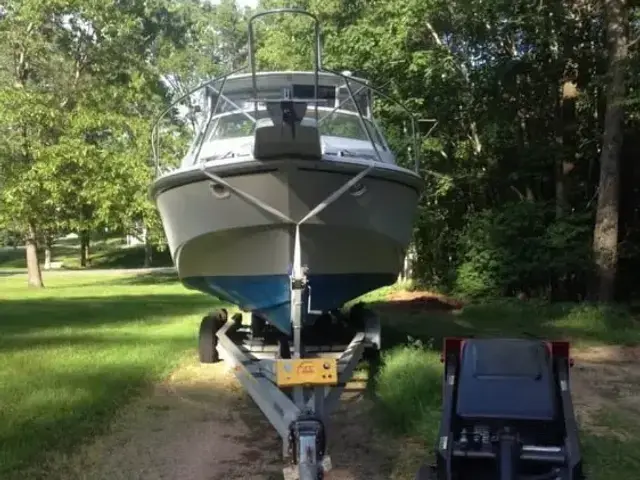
x,y
473,136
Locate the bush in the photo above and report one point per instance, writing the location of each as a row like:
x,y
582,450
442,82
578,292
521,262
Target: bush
x,y
522,247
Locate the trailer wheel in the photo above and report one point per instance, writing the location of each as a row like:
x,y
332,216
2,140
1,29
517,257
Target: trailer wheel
x,y
425,473
207,340
220,316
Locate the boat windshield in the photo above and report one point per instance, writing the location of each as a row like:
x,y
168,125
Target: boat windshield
x,y
331,123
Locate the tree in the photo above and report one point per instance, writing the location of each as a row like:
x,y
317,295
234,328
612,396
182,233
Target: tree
x,y
605,234
28,124
528,104
79,94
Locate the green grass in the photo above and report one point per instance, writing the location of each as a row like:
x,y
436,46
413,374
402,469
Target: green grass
x,y
408,384
104,254
73,354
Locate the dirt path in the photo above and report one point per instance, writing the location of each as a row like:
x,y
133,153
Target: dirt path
x,y
606,389
199,425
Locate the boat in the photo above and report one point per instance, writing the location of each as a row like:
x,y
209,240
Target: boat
x,y
289,170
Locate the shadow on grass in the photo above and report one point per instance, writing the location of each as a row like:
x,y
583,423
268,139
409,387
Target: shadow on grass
x,y
15,258
103,255
130,257
62,407
124,278
7,273
150,278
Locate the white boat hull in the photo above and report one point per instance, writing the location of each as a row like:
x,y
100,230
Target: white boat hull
x,y
225,245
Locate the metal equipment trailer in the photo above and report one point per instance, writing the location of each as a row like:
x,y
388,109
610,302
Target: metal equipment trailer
x,y
507,412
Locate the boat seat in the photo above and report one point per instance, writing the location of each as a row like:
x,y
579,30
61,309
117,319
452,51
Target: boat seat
x,y
277,137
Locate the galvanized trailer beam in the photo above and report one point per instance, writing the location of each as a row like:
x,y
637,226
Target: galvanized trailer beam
x,y
254,377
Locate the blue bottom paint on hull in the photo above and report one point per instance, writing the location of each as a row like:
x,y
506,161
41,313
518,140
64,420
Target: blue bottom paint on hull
x,y
269,295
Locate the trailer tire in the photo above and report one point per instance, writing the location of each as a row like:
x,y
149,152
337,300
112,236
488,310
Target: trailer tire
x,y
207,340
425,473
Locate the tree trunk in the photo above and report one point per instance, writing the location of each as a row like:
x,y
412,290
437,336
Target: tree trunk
x,y
47,253
148,250
84,248
34,275
406,274
605,233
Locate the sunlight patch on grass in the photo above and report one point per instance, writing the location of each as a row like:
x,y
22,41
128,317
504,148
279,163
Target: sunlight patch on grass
x,y
598,324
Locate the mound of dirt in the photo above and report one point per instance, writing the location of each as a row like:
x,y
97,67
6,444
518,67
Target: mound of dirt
x,y
422,301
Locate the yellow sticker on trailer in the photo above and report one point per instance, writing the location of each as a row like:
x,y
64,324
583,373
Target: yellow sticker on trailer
x,y
306,371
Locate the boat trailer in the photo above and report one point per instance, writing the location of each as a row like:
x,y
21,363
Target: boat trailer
x,y
298,388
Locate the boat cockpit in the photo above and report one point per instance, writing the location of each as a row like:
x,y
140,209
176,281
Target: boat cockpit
x,y
340,110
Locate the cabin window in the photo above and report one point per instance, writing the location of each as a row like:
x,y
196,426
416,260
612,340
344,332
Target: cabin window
x,y
336,124
234,125
343,125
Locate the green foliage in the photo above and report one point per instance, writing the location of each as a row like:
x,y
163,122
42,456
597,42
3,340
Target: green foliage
x,y
79,89
520,247
9,238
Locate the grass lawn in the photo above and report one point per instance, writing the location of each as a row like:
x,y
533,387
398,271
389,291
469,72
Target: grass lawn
x,y
74,353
